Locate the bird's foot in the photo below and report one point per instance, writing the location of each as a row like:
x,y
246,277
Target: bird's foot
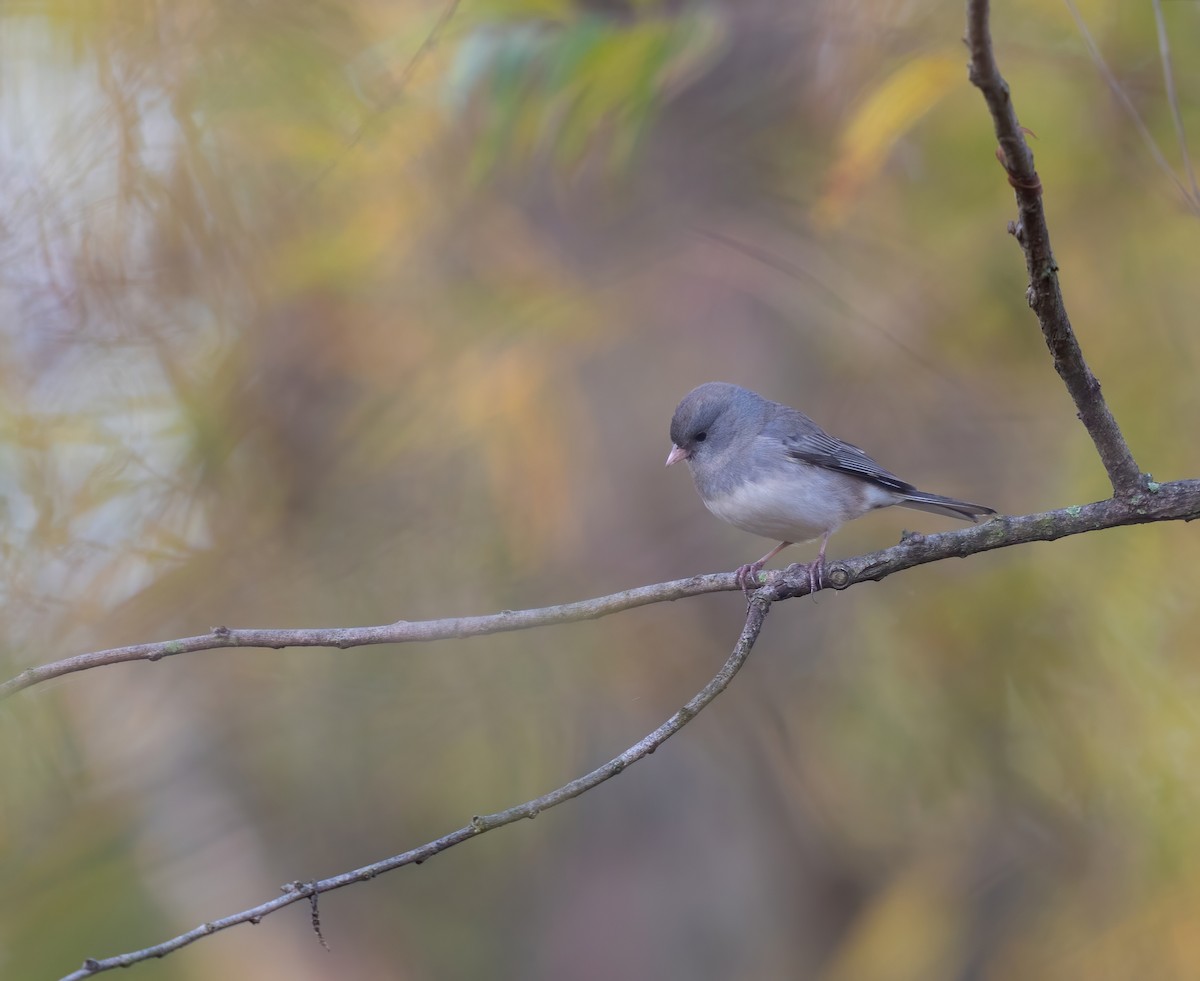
x,y
814,570
747,576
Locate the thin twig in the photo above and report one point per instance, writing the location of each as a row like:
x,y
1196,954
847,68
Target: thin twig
x,y
1127,104
1045,293
792,268
1164,51
400,632
760,604
1179,500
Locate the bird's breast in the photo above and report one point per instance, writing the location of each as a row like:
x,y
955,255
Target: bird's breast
x,y
795,505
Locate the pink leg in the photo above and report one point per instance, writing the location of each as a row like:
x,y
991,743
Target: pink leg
x,y
747,574
815,570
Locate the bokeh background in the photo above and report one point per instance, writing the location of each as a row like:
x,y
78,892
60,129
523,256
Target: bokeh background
x,y
338,313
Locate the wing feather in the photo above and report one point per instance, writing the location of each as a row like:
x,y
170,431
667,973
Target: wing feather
x,y
806,442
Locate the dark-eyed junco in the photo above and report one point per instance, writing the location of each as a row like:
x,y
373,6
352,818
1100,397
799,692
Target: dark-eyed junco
x,y
770,470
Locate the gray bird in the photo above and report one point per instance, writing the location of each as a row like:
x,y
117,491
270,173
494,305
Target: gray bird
x,y
770,470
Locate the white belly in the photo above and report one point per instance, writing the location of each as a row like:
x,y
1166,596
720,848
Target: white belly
x,y
800,506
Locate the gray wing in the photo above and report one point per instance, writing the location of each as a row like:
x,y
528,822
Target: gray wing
x,y
805,441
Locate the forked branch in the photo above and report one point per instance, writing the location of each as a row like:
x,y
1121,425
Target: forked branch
x,y
294,892
1136,500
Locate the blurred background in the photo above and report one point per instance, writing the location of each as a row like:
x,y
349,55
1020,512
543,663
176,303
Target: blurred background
x,y
339,313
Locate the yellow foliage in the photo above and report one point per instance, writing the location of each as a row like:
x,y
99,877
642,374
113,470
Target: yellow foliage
x,y
878,123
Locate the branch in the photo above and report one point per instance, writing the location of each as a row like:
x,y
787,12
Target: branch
x,y
1179,500
1045,294
1175,501
400,632
760,604
1137,500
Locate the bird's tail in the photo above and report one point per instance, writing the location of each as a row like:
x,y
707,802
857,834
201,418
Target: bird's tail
x,y
937,504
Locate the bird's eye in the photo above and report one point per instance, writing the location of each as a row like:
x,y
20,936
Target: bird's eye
x,y
701,437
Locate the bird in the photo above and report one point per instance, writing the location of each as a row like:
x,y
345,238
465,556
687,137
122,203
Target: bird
x,y
768,469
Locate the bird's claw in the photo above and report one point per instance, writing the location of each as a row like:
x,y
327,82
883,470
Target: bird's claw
x,y
747,576
814,570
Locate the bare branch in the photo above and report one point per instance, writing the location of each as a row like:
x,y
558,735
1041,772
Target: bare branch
x,y
1045,293
1175,501
400,632
1137,500
756,613
1179,500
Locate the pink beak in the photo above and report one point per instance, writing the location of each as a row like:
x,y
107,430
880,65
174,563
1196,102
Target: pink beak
x,y
676,455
